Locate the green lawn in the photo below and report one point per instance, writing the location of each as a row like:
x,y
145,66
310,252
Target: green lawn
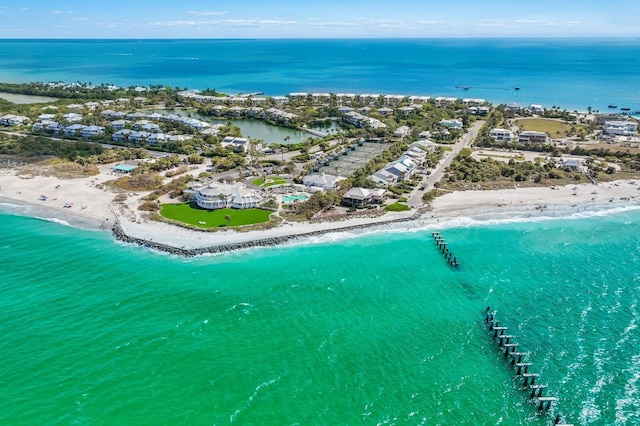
x,y
193,215
397,207
554,128
269,181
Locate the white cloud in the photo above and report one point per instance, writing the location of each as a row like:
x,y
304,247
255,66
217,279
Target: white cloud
x,y
431,23
316,23
207,12
179,23
259,22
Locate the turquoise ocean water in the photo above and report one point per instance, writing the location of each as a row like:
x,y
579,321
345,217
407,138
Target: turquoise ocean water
x,y
373,329
570,73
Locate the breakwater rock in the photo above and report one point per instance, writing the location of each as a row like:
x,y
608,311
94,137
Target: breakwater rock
x,y
120,234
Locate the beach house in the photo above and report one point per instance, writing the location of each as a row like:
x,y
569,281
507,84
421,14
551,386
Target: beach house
x,y
531,136
358,197
91,131
621,128
73,129
402,131
501,135
13,120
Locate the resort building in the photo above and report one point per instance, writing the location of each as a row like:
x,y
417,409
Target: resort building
x,y
402,131
280,100
536,109
407,110
369,98
445,101
121,135
384,177
393,99
279,116
345,98
112,114
72,117
236,144
13,120
419,99
621,128
532,137
514,107
322,181
473,102
54,127
360,120
119,124
220,196
358,197
385,111
73,129
91,131
396,171
501,135
574,164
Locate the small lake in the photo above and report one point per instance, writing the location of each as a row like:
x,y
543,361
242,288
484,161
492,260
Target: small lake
x,y
252,128
258,129
26,99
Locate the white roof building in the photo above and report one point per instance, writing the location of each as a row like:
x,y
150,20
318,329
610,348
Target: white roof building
x,y
362,196
322,181
621,128
220,196
501,135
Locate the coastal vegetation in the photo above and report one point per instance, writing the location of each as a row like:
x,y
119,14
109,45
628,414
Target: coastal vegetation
x,y
397,207
36,148
488,173
191,214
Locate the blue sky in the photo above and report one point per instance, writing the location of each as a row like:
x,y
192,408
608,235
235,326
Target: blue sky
x,y
317,19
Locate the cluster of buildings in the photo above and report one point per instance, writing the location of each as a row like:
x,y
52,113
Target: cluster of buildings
x,y
322,98
13,120
405,166
610,128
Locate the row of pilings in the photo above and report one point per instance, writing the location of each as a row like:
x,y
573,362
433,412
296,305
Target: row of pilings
x,y
442,245
516,358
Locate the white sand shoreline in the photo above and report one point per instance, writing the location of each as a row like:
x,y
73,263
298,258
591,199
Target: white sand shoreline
x,y
94,209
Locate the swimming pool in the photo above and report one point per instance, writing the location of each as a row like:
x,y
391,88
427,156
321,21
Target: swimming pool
x,y
294,198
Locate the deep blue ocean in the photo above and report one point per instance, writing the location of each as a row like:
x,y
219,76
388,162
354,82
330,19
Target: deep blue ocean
x,y
570,73
373,328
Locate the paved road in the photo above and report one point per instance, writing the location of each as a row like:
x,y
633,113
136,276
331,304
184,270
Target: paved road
x,y
415,199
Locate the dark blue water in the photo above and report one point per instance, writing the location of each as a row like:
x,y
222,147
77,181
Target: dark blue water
x,y
570,73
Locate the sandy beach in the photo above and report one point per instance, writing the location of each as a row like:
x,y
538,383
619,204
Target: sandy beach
x,y
90,205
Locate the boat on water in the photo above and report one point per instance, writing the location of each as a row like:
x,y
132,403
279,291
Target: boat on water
x,y
517,87
613,106
625,109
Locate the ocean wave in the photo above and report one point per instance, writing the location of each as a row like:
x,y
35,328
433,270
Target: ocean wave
x,y
54,220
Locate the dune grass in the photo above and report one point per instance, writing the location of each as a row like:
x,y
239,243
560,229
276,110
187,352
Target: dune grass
x,y
191,214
